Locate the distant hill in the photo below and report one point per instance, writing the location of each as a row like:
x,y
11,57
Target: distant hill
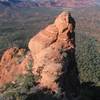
x,y
47,3
66,3
18,3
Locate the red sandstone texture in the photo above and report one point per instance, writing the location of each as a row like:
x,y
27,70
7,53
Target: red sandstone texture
x,y
13,63
48,49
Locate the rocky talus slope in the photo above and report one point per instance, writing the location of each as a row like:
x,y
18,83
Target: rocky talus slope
x,y
51,55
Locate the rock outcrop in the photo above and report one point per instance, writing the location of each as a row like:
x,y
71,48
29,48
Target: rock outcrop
x,y
14,62
49,52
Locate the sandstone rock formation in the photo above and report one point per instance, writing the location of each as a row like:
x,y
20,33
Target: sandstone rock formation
x,y
49,52
13,63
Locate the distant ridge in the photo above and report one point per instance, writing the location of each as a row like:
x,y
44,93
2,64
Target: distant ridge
x,y
18,3
47,3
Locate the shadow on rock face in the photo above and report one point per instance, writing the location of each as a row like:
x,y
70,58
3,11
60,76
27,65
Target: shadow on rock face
x,y
69,81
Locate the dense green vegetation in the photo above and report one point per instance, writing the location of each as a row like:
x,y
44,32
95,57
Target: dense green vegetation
x,y
88,59
18,25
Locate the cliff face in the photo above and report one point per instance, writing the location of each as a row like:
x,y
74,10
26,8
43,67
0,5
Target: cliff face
x,y
51,55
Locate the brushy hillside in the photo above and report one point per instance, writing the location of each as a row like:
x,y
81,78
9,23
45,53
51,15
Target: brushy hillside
x,y
18,25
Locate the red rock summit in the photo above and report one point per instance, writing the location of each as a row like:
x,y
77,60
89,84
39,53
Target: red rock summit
x,y
48,51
